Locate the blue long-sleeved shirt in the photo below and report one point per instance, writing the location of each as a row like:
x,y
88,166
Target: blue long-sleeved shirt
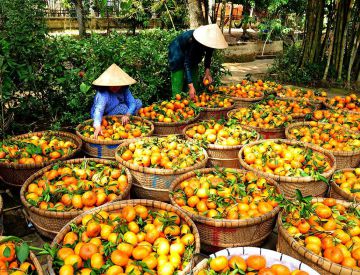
x,y
186,53
106,103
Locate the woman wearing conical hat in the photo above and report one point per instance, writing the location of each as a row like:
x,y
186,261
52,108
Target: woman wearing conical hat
x,y
113,97
186,52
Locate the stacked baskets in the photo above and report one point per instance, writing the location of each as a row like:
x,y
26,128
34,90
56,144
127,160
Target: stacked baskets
x,y
337,193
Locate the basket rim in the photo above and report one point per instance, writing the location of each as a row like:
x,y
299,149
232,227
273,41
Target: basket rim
x,y
74,138
111,142
315,101
214,109
308,254
157,171
287,178
73,213
217,146
174,124
329,106
334,152
337,188
227,223
116,206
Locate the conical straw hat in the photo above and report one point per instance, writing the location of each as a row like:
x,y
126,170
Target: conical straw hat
x,y
114,76
210,36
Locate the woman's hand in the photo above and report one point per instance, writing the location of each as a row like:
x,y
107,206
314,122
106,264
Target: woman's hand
x,y
97,131
192,91
125,119
208,76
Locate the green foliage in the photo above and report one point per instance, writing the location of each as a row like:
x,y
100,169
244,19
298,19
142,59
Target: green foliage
x,y
177,10
136,13
286,68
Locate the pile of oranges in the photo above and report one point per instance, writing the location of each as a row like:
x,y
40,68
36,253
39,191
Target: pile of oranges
x,y
168,152
134,240
348,120
349,103
112,129
15,261
280,106
261,118
329,136
245,89
216,132
328,229
348,181
226,194
79,186
206,100
253,264
35,149
278,158
311,95
175,110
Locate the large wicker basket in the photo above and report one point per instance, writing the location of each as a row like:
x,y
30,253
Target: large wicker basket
x,y
246,102
317,103
337,193
215,113
220,155
154,183
344,159
105,148
217,234
15,174
33,259
272,257
49,223
330,107
117,206
172,128
288,245
307,185
266,133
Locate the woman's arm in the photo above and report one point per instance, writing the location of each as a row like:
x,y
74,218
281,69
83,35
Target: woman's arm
x,y
101,98
130,102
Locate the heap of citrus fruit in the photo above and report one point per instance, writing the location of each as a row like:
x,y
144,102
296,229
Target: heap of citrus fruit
x,y
226,194
328,229
280,106
175,110
349,103
348,181
15,257
77,186
221,133
35,149
253,264
348,120
329,136
213,101
168,152
112,129
134,240
245,89
261,118
279,158
316,95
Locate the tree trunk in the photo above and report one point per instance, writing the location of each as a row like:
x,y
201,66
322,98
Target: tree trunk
x,y
222,17
80,17
343,44
354,50
196,16
328,29
230,16
206,8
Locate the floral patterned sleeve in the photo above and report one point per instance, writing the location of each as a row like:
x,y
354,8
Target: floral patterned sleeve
x,y
101,98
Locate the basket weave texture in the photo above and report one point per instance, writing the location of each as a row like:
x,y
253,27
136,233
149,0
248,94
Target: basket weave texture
x,y
330,107
215,113
337,193
173,128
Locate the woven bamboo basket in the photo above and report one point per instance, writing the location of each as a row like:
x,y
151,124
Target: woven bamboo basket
x,y
173,128
317,103
105,148
15,174
246,102
155,182
215,113
272,257
337,193
307,185
288,245
330,107
117,206
49,223
220,155
33,259
217,234
344,159
266,133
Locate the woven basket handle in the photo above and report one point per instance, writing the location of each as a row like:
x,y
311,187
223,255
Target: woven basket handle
x,y
197,258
